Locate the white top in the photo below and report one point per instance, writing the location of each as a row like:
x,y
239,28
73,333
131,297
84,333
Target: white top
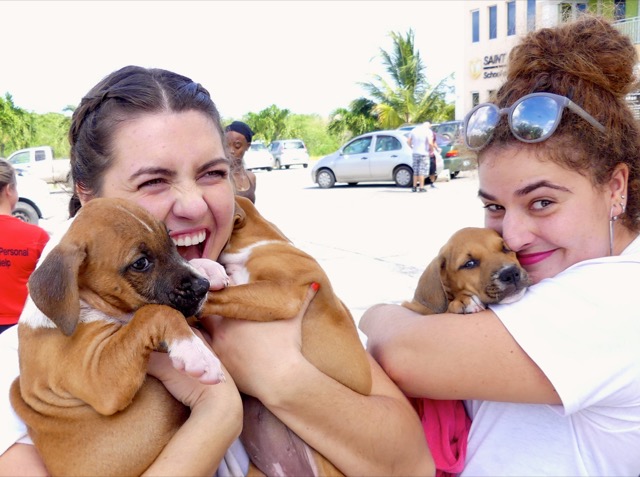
x,y
582,328
420,137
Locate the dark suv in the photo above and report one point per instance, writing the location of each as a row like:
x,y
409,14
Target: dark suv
x,y
454,152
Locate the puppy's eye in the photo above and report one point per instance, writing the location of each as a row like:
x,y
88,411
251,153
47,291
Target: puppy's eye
x,y
506,249
470,264
141,265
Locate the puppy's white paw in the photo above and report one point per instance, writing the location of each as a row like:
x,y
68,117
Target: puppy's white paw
x,y
212,271
474,305
194,358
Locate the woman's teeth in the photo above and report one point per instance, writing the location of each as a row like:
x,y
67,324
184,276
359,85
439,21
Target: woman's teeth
x,y
188,240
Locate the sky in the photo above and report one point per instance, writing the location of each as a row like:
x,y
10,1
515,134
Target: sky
x,y
303,55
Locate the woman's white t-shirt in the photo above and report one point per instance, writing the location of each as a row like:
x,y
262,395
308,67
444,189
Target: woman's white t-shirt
x,y
582,328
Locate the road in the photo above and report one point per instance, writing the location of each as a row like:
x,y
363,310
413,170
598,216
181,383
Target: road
x,y
373,240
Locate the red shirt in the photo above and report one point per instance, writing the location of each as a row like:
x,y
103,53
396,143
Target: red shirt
x,y
20,247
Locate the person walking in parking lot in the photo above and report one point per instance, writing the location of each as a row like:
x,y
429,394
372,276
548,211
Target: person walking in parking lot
x,y
432,147
239,136
20,247
418,140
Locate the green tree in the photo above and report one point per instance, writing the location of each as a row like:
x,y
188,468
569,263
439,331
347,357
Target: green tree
x,y
269,124
361,117
52,129
407,97
15,126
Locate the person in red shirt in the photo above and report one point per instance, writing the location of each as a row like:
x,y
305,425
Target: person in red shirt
x,y
20,247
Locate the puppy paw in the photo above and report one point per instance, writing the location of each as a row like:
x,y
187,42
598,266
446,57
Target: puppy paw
x,y
193,357
212,271
465,305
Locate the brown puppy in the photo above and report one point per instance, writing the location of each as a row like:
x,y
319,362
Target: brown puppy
x,y
473,269
271,279
112,291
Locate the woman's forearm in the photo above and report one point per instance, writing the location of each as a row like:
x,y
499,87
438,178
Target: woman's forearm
x,y
200,444
379,434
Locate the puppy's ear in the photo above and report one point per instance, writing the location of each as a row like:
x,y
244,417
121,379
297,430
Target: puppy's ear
x,y
239,217
430,291
53,286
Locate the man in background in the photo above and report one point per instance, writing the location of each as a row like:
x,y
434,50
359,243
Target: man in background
x,y
419,140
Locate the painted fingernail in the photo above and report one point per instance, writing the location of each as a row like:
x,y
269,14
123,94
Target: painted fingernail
x,y
315,286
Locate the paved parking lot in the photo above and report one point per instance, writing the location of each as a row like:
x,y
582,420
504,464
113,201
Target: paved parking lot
x,y
373,240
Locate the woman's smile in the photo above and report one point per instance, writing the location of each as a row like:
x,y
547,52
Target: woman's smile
x,y
527,259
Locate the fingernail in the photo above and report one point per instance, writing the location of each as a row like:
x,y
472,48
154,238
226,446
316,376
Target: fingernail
x,y
315,286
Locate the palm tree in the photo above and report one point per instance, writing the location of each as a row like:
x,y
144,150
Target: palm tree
x,y
407,97
358,119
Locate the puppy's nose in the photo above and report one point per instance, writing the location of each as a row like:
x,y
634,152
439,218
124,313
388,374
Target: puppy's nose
x,y
510,275
200,286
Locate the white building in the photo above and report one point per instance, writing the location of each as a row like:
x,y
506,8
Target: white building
x,y
492,27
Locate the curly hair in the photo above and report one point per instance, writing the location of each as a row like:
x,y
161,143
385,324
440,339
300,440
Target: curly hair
x,y
591,63
124,94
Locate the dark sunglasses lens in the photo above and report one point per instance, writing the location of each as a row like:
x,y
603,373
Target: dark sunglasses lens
x,y
480,126
534,119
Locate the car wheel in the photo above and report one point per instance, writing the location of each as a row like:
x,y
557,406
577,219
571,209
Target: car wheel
x,y
26,213
351,184
325,179
287,166
269,169
455,174
305,165
403,176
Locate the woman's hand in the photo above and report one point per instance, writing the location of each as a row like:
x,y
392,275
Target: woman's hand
x,y
255,352
188,389
214,423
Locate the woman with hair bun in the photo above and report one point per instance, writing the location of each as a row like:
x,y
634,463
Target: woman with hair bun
x,y
552,381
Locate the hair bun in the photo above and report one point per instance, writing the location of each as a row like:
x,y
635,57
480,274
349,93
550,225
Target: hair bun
x,y
589,49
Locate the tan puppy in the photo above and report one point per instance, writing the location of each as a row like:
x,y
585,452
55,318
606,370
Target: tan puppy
x,y
473,269
272,279
112,291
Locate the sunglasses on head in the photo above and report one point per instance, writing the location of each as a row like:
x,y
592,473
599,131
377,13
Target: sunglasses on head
x,y
533,118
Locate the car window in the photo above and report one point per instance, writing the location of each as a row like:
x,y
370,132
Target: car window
x,y
258,147
449,129
387,143
273,146
359,146
21,158
293,145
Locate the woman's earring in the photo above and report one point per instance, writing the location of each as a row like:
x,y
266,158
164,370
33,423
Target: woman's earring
x,y
611,223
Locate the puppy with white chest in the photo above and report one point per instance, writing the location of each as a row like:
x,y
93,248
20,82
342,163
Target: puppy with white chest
x,y
111,292
271,280
473,269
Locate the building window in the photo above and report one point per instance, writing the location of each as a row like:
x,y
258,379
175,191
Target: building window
x,y
531,15
511,18
493,22
475,26
475,99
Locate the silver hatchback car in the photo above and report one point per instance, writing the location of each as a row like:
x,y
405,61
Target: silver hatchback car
x,y
379,156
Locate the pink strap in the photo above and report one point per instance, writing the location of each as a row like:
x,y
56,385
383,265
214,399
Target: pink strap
x,y
446,427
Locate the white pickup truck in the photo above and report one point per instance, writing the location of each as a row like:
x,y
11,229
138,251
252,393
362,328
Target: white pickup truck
x,y
39,162
34,199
